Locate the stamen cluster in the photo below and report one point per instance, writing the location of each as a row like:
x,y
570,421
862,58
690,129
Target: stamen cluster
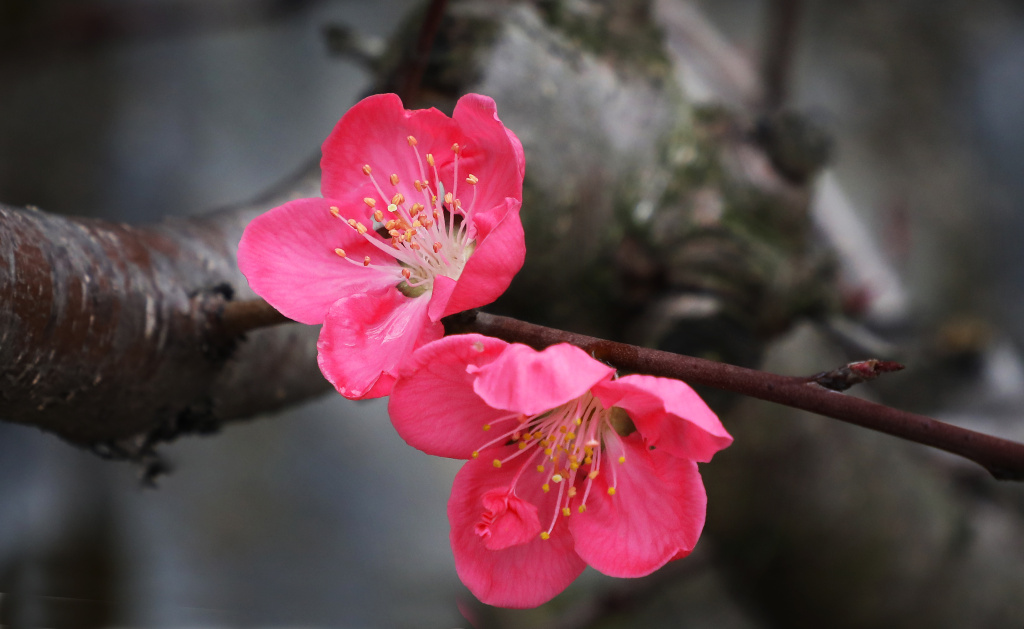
x,y
428,238
567,446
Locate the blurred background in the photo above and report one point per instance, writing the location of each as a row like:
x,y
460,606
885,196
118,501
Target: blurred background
x,y
133,110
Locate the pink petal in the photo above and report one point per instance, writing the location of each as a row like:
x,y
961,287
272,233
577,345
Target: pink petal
x,y
288,256
433,406
669,414
489,271
508,520
374,132
440,295
492,153
656,514
523,575
530,382
367,335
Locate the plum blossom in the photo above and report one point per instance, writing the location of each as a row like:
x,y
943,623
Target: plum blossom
x,y
419,220
567,465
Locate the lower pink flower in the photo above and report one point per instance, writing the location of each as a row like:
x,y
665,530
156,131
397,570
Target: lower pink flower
x,y
568,466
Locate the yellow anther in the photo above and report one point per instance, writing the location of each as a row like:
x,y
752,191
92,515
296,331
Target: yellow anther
x,y
455,147
611,491
411,140
416,224
565,511
398,199
579,420
407,274
370,202
392,208
557,478
340,252
394,179
476,454
548,451
540,468
487,426
437,247
378,216
593,474
622,460
522,445
366,260
546,487
430,159
361,228
582,508
588,460
417,208
472,180
448,198
570,435
572,492
496,463
352,222
335,212
574,465
366,169
545,535
389,225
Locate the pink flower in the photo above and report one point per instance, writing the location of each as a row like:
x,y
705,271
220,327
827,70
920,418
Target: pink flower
x,y
567,465
420,220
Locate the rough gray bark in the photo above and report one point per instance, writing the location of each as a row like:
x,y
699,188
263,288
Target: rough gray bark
x,y
110,334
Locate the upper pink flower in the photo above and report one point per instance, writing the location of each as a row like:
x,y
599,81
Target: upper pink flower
x,y
419,220
568,466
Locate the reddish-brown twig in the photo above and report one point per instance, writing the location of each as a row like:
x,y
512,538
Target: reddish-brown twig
x,y
1004,459
412,72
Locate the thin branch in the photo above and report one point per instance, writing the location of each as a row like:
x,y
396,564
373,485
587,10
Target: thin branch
x,y
240,317
777,60
417,65
1004,459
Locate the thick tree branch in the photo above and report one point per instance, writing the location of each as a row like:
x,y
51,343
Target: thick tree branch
x,y
111,335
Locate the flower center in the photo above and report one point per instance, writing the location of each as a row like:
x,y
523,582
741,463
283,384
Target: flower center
x,y
433,235
569,446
